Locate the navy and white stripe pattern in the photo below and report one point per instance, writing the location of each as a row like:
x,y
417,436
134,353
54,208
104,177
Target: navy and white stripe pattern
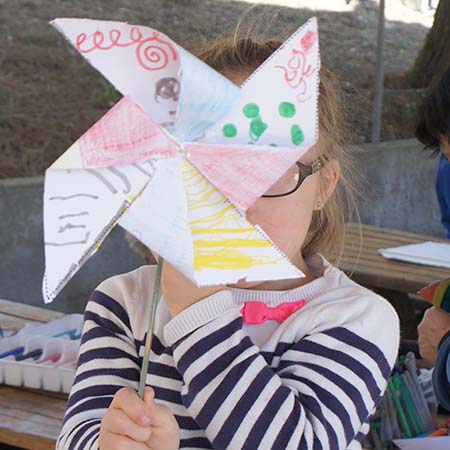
x,y
308,383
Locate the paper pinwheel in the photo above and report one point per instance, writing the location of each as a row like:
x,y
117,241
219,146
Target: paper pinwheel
x,y
179,159
437,294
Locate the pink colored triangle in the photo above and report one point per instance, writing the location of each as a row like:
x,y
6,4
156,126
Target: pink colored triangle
x,y
124,135
241,173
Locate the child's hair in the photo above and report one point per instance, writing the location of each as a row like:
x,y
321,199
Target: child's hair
x,y
243,55
433,117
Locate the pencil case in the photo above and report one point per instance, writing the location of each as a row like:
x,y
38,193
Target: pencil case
x,y
42,356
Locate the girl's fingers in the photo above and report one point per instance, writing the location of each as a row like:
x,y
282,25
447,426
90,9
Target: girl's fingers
x,y
160,415
149,396
117,422
128,401
120,442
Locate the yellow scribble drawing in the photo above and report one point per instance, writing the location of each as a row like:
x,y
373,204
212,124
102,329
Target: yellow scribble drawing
x,y
222,238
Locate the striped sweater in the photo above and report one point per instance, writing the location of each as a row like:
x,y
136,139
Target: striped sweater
x,y
310,382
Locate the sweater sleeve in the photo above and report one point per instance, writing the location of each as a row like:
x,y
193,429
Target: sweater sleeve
x,y
107,361
318,395
441,373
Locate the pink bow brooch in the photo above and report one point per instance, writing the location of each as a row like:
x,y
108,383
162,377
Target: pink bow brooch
x,y
255,313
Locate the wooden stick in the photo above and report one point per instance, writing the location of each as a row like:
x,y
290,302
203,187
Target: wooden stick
x,y
151,322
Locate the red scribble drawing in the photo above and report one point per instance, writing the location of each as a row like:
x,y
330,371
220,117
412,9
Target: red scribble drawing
x,y
124,135
153,53
298,70
308,40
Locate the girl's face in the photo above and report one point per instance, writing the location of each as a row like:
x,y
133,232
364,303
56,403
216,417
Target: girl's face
x,y
286,220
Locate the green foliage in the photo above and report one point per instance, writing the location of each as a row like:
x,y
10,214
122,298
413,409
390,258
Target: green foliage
x,y
109,91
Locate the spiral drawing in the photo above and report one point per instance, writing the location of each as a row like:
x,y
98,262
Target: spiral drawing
x,y
154,53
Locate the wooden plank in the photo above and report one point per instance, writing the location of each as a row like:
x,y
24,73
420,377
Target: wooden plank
x,y
30,419
15,323
26,442
378,231
410,270
31,313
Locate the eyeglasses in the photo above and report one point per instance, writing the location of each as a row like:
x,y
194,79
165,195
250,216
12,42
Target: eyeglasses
x,y
293,178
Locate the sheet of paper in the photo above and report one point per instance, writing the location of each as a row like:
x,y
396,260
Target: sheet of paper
x,y
175,88
427,253
226,246
241,173
287,115
436,443
158,217
139,61
80,208
205,97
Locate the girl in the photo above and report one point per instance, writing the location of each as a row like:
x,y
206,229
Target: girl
x,y
219,377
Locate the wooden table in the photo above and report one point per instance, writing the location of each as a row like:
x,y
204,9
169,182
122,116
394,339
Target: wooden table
x,y
28,419
397,281
367,267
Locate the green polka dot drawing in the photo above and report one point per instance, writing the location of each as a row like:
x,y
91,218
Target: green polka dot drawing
x,y
257,125
287,109
251,110
229,130
257,128
297,136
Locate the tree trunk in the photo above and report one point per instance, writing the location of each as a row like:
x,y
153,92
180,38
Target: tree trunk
x,y
434,58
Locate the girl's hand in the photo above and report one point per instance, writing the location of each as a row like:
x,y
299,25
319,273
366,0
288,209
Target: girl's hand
x,y
180,292
133,424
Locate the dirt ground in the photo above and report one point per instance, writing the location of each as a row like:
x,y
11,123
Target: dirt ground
x,y
49,96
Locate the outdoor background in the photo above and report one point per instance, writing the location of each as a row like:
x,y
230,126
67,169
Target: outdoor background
x,y
49,95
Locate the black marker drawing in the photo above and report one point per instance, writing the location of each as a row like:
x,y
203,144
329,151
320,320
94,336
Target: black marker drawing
x,y
109,177
57,244
60,197
69,226
103,179
123,177
84,213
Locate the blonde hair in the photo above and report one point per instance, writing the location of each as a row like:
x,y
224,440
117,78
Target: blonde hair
x,y
233,55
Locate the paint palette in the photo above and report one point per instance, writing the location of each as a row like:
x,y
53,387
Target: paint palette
x,y
42,356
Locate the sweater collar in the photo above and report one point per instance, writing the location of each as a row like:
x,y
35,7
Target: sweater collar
x,y
326,274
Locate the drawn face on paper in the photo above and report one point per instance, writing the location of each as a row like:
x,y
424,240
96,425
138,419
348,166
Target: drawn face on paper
x,y
167,90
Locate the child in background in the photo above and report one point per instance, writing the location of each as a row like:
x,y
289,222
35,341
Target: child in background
x,y
218,377
433,130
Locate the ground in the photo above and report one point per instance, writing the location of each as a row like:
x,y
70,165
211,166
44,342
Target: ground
x,y
49,96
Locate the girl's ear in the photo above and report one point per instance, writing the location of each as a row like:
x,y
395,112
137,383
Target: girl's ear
x,y
329,174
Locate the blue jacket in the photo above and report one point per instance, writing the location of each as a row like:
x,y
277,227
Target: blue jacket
x,y
441,373
443,193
